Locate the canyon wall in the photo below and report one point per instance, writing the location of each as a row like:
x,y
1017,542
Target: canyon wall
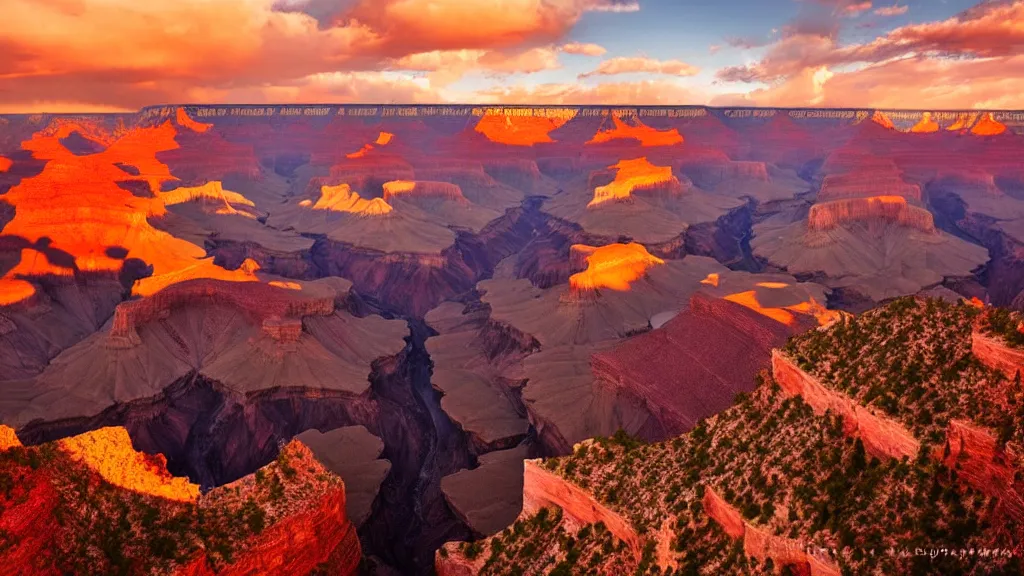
x,y
882,436
708,174
541,488
979,460
831,214
997,355
761,544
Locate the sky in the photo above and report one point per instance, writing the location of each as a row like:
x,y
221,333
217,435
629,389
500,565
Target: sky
x,y
121,55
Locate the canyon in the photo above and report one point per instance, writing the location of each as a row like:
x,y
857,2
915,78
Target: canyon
x,y
428,297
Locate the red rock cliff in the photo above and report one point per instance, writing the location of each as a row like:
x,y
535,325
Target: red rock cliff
x,y
761,544
882,436
995,354
542,488
830,214
985,465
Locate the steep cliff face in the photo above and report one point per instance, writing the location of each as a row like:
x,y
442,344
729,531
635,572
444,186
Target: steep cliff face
x,y
867,184
541,489
830,214
286,519
985,464
882,436
995,353
762,544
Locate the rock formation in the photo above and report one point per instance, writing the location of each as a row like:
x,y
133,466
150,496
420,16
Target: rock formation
x,y
287,518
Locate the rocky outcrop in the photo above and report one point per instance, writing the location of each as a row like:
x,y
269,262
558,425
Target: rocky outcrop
x,y
541,488
833,213
983,463
633,177
278,310
996,354
761,544
254,527
882,436
867,184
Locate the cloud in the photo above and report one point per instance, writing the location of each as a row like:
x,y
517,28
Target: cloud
x,y
848,8
893,10
583,49
448,66
654,92
640,64
612,6
991,29
124,54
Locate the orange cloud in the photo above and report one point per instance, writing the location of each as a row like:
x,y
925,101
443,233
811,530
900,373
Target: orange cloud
x,y
61,54
584,49
623,65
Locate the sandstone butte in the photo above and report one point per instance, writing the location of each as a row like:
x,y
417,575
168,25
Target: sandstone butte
x,y
634,176
638,131
303,530
277,306
926,124
211,192
614,266
867,183
342,198
830,214
186,121
988,126
398,189
76,205
521,130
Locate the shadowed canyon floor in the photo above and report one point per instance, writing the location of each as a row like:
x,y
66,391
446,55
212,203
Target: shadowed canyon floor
x,y
420,298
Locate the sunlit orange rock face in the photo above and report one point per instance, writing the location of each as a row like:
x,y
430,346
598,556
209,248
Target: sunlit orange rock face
x,y
109,452
925,125
883,120
8,439
342,198
828,215
614,266
63,511
5,164
963,121
186,121
633,176
637,130
520,130
988,126
75,202
784,314
383,139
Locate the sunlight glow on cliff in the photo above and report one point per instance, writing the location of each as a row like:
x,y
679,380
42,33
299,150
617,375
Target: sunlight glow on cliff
x,y
644,134
614,266
109,452
632,175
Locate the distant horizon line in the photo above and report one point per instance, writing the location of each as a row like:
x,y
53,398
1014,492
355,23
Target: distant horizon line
x,y
391,105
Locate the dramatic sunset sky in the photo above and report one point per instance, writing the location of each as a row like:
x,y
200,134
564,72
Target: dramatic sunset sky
x,y
106,55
